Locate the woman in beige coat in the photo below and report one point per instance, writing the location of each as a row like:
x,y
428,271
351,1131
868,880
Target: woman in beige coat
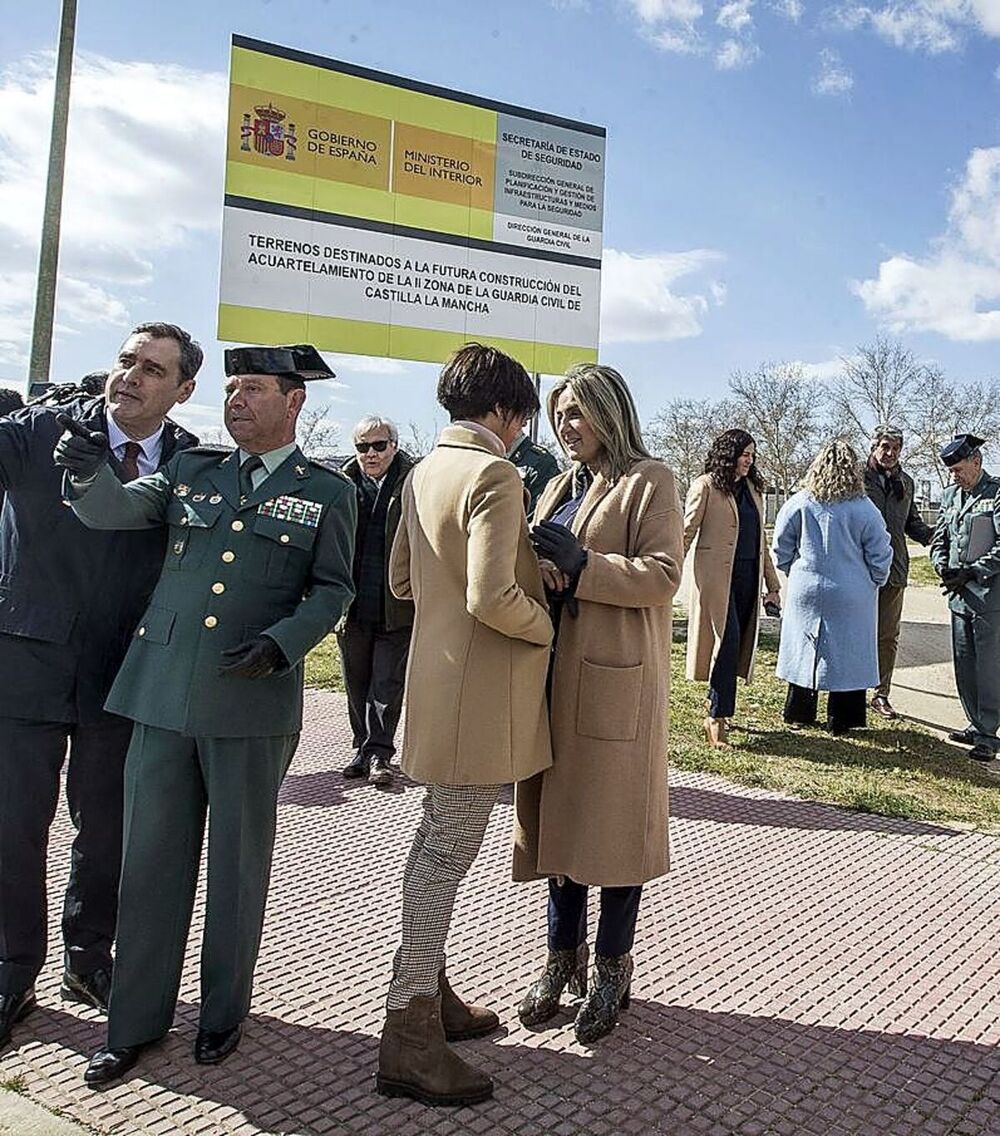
x,y
610,547
724,521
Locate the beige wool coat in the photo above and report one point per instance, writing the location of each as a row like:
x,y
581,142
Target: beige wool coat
x,y
475,679
599,815
711,526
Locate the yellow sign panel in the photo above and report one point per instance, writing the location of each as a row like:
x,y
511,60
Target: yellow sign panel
x,y
384,216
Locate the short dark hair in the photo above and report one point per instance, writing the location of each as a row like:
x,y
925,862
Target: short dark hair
x,y
289,383
10,400
93,383
477,380
192,355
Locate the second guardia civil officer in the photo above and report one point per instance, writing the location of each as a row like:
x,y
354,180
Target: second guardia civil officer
x,y
257,572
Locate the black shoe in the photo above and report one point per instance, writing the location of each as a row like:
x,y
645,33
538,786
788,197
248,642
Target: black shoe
x,y
90,989
357,767
381,772
563,969
109,1065
963,737
610,993
13,1009
982,753
210,1048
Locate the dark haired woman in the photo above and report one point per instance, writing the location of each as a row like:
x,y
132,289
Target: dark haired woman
x,y
724,520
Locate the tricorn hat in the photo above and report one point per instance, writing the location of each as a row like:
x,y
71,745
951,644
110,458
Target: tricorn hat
x,y
301,361
961,447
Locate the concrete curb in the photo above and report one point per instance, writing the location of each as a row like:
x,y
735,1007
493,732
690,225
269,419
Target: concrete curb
x,y
19,1116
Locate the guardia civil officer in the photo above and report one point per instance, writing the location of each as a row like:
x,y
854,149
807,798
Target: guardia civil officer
x,y
257,572
69,601
536,465
965,552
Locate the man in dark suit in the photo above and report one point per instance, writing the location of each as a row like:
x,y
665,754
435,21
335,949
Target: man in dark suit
x,y
890,489
374,640
69,601
257,571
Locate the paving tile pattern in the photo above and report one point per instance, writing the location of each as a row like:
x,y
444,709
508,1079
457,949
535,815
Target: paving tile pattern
x,y
801,970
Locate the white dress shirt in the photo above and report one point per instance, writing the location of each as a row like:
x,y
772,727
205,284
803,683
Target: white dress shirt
x,y
149,448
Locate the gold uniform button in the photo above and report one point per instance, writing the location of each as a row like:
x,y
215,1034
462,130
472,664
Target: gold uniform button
x,y
218,588
237,526
210,621
228,556
142,631
284,538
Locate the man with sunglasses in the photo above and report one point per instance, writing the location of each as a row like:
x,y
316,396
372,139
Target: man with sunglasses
x,y
374,639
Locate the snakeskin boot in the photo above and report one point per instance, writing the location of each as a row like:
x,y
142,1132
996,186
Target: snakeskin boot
x,y
610,992
563,969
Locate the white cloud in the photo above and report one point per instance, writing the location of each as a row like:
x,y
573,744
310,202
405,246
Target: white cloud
x,y
670,24
833,78
143,171
933,26
822,371
790,9
735,54
955,289
735,15
639,303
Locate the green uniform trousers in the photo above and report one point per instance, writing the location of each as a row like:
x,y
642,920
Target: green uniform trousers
x,y
171,781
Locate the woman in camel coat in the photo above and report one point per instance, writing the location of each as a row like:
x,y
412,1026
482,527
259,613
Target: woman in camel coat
x,y
724,522
610,547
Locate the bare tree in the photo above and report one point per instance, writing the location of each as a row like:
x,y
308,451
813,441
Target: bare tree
x,y
938,410
875,385
681,433
318,434
418,442
783,411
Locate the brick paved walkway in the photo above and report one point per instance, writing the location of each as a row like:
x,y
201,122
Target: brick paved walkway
x,y
801,970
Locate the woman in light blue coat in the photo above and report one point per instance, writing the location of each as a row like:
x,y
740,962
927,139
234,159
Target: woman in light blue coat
x,y
831,542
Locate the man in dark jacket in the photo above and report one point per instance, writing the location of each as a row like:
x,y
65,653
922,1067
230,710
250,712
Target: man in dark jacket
x,y
375,638
69,601
891,489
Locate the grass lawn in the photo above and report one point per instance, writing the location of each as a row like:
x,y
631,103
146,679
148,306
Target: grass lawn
x,y
891,769
921,572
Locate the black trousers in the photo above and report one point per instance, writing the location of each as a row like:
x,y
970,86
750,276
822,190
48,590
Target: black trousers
x,y
31,758
845,709
743,599
568,917
374,664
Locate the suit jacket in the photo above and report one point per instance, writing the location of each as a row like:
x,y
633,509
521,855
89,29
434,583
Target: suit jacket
x,y
901,520
276,563
69,598
398,613
475,680
950,543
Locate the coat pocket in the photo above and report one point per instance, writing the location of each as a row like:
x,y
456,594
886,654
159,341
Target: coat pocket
x,y
157,626
608,705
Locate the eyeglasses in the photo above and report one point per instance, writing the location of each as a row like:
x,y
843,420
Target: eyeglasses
x,y
379,446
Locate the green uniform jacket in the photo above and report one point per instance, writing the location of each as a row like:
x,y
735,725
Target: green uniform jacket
x,y
536,466
278,564
950,544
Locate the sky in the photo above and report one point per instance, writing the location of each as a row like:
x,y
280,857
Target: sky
x,y
785,179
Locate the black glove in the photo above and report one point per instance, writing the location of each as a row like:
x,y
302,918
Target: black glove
x,y
79,450
257,658
558,544
953,580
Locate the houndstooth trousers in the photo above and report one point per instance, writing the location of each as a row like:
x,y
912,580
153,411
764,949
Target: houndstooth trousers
x,y
446,843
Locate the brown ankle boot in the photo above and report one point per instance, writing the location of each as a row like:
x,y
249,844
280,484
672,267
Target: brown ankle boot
x,y
460,1020
414,1059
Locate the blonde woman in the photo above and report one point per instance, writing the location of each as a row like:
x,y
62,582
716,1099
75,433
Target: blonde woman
x,y
610,548
832,543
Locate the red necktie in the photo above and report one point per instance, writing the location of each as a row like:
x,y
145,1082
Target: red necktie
x,y
130,462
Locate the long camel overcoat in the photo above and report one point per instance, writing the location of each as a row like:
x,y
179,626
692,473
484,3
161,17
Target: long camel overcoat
x,y
599,815
711,526
475,679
